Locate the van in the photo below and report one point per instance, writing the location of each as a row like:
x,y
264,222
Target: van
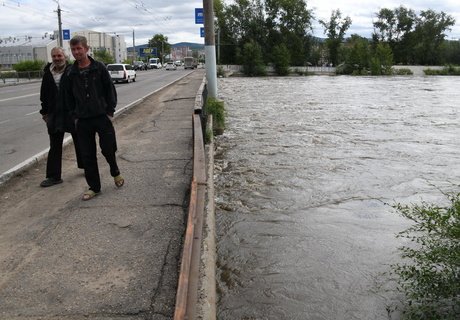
x,y
121,72
154,63
190,62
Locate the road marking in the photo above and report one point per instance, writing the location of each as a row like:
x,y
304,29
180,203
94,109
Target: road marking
x,y
28,114
5,121
14,98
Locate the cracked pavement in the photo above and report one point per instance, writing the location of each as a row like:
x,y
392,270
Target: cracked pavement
x,y
116,256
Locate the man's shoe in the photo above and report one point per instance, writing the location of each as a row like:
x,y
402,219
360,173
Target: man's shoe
x,y
48,182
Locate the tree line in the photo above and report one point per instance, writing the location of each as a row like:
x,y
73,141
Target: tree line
x,y
255,33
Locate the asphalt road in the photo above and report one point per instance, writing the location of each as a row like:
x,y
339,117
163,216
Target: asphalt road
x,y
22,131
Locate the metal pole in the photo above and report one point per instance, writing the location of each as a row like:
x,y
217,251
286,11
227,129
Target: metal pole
x,y
218,45
134,48
210,48
60,25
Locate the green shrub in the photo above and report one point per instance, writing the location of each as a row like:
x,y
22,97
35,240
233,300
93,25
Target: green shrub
x,y
281,59
217,110
253,64
220,72
403,72
446,71
431,277
29,65
8,74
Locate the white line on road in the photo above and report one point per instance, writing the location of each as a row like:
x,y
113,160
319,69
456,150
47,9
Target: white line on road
x,y
5,121
28,114
20,97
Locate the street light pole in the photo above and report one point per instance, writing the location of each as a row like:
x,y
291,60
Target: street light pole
x,y
59,24
134,48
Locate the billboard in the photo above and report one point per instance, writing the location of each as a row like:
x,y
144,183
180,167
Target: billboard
x,y
144,52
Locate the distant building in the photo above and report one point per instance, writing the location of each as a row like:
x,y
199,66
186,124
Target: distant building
x,y
17,49
114,44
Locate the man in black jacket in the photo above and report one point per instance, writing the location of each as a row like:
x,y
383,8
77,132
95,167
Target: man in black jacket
x,y
56,117
92,98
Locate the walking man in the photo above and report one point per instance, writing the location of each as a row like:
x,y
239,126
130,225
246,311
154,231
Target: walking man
x,y
92,98
57,119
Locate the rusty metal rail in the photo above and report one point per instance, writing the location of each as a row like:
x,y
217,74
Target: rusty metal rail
x,y
187,289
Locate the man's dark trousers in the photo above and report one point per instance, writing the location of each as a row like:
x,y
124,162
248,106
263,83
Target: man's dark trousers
x,y
54,162
86,132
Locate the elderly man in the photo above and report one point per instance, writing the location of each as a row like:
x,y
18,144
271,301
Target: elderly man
x,y
56,116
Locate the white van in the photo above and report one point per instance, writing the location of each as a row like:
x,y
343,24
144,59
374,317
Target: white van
x,y
121,72
154,63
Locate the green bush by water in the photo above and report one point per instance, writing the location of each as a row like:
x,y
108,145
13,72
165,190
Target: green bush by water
x,y
430,277
217,110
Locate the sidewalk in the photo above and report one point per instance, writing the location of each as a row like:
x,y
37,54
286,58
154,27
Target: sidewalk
x,y
116,256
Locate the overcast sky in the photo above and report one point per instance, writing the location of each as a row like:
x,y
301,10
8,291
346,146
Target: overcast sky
x,y
176,19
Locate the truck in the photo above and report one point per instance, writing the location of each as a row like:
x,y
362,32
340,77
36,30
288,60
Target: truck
x,y
190,62
154,63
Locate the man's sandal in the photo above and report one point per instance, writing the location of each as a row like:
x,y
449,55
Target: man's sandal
x,y
119,181
88,195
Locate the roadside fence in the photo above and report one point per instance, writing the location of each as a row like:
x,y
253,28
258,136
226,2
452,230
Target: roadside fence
x,y
12,76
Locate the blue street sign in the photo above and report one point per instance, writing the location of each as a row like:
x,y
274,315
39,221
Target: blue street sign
x,y
199,16
202,32
66,34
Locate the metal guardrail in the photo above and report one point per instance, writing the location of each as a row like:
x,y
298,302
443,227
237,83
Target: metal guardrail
x,y
13,76
187,289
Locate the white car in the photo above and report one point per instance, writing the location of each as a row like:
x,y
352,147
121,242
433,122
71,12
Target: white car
x,y
170,66
121,72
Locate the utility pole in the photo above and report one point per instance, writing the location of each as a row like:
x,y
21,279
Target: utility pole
x,y
134,48
210,48
59,24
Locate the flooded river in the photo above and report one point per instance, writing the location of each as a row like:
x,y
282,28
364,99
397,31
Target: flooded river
x,y
306,173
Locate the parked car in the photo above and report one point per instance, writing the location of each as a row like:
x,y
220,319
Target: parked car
x,y
178,63
121,72
139,65
170,66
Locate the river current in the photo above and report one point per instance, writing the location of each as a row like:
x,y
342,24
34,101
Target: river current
x,y
306,175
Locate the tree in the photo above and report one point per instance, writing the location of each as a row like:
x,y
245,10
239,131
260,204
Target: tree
x,y
265,22
160,42
396,27
253,64
335,30
104,56
382,60
288,22
357,55
282,60
430,34
413,39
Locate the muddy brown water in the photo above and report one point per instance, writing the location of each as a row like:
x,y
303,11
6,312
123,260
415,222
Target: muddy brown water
x,y
307,172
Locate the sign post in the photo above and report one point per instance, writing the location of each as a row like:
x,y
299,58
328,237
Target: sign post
x,y
199,16
66,34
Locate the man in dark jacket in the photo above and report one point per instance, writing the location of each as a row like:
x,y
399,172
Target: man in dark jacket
x,y
92,98
56,117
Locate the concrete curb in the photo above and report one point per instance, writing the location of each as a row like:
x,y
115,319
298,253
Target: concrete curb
x,y
208,294
7,175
